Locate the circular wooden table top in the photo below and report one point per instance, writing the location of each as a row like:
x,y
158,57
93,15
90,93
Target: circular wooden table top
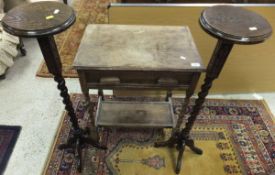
x,y
235,24
38,19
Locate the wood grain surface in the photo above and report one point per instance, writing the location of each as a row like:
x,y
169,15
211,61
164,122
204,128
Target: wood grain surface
x,y
37,19
138,47
235,24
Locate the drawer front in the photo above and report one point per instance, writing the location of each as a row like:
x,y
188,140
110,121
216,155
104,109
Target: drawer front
x,y
138,77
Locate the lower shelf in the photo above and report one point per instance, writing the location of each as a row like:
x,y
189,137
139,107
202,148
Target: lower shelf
x,y
135,114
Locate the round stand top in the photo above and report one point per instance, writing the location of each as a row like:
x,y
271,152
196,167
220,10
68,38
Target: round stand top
x,y
38,19
235,24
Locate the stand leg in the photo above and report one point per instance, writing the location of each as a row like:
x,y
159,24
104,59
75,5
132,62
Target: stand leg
x,y
190,143
21,47
80,136
174,139
181,148
214,68
182,138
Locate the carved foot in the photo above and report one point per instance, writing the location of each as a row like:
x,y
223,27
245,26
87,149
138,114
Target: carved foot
x,y
77,142
181,149
191,145
180,141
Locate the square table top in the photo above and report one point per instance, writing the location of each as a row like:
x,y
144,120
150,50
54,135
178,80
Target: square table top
x,y
138,47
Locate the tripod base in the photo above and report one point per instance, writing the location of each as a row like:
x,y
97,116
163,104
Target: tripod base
x,y
180,143
77,142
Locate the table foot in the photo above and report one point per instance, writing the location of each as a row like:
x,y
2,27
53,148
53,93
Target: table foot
x,y
77,142
190,143
181,147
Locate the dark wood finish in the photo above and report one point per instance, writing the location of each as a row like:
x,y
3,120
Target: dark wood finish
x,y
21,47
176,138
135,114
189,93
49,51
230,25
235,24
29,21
38,19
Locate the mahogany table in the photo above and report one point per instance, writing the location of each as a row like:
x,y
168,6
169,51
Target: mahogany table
x,y
42,20
230,25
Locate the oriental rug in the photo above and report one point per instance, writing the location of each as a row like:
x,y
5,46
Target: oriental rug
x,y
237,137
8,137
87,12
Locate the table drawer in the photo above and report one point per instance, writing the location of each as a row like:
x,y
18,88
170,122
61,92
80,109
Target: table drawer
x,y
138,77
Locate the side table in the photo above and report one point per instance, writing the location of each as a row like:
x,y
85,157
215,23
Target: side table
x,y
137,57
42,20
230,25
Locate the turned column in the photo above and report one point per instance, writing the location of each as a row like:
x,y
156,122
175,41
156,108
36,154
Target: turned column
x,y
42,20
230,25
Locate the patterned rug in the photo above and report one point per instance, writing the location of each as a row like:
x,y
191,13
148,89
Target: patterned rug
x,y
8,137
237,137
87,12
